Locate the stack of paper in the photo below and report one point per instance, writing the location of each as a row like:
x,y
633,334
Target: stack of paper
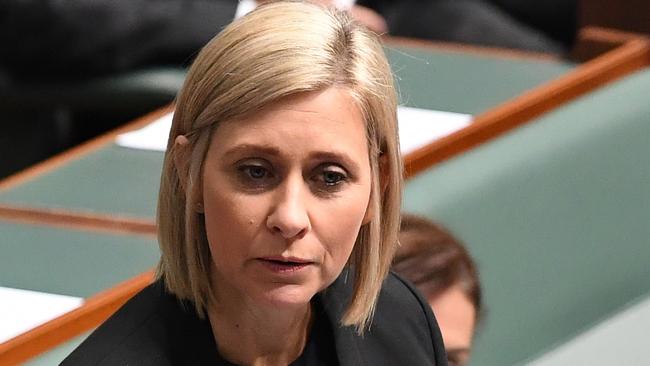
x,y
22,310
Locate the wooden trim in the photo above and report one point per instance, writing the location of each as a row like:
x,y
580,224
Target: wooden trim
x,y
628,58
79,151
85,221
503,53
607,35
595,41
631,15
93,312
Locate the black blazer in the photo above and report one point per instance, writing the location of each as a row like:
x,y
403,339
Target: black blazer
x,y
156,329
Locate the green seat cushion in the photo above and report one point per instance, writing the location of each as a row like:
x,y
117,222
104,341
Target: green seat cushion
x,y
112,180
465,82
73,263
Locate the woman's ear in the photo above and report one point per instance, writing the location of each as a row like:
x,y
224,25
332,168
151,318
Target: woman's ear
x,y
181,165
383,185
180,162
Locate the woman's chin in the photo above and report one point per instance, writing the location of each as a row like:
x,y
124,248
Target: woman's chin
x,y
286,296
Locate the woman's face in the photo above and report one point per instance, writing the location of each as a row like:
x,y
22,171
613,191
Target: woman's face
x,y
284,194
456,317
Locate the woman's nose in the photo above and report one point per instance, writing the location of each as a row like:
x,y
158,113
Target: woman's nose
x,y
289,216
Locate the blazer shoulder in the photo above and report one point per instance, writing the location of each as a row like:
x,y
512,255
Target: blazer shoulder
x,y
405,320
138,333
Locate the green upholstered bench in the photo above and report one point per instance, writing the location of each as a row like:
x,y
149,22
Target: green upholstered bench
x,y
56,355
466,83
72,263
557,214
112,180
621,339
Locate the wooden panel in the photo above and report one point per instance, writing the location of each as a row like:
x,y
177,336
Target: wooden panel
x,y
628,15
594,41
77,220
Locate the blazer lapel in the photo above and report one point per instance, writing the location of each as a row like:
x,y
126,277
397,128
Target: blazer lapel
x,y
334,300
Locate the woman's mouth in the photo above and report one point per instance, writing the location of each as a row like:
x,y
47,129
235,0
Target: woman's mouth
x,y
284,265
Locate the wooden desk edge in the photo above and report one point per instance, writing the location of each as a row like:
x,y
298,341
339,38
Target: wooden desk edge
x,y
93,312
84,221
592,42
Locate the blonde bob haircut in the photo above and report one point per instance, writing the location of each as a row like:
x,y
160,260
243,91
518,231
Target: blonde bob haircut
x,y
279,50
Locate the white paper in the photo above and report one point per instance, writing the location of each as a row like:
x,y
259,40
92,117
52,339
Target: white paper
x,y
22,310
151,137
418,127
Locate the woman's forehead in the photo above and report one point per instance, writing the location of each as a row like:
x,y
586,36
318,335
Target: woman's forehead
x,y
325,120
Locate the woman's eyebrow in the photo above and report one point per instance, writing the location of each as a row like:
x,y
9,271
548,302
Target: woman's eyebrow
x,y
253,148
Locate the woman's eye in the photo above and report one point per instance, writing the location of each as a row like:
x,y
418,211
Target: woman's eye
x,y
255,172
255,175
332,178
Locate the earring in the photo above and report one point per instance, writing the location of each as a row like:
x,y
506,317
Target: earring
x,y
198,207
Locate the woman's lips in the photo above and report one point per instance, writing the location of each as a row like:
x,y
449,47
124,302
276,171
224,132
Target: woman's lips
x,y
285,265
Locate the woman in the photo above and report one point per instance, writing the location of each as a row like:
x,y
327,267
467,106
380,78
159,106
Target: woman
x,y
278,209
442,269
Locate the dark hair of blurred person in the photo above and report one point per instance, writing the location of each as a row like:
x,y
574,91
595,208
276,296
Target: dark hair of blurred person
x,y
444,272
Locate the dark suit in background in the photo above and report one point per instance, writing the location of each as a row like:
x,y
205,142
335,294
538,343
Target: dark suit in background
x,y
54,51
499,23
81,38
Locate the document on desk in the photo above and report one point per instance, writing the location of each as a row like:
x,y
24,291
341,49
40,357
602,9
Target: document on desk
x,y
417,127
22,310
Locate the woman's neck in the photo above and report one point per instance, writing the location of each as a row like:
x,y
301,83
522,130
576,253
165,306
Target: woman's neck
x,y
251,335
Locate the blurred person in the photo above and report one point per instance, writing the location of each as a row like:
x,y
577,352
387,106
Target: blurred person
x,y
558,19
478,22
48,40
442,269
76,39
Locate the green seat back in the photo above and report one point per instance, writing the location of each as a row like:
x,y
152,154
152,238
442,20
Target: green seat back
x,y
557,214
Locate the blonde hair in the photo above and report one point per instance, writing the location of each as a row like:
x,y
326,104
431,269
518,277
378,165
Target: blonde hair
x,y
278,50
